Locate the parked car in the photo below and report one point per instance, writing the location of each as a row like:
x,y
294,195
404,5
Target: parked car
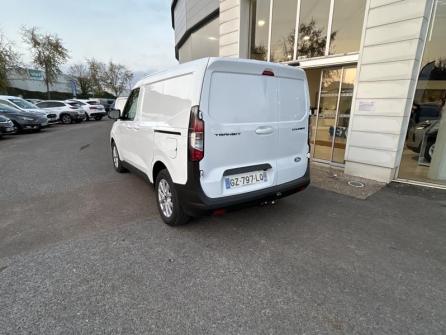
x,y
107,103
119,103
34,101
92,109
23,121
6,126
64,112
426,131
24,106
216,133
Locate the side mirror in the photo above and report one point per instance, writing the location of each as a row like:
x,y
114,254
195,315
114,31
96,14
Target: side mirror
x,y
114,114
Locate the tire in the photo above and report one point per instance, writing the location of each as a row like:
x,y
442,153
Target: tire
x,y
428,151
98,118
117,162
66,119
168,201
18,126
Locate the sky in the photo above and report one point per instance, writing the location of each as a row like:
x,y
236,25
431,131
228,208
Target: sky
x,y
136,33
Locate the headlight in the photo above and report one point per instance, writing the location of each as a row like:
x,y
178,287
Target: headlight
x,y
26,118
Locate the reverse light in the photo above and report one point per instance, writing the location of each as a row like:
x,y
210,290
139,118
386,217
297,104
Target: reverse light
x,y
196,135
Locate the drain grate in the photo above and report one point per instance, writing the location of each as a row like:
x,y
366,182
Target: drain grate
x,y
356,183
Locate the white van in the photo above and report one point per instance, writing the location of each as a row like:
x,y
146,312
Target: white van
x,y
216,133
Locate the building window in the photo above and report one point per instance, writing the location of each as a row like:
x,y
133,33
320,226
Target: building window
x,y
346,28
424,155
202,43
274,22
313,26
283,30
259,29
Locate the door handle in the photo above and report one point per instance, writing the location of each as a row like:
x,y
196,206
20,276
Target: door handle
x,y
264,130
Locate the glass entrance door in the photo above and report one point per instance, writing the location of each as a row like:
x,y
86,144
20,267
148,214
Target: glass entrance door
x,y
333,114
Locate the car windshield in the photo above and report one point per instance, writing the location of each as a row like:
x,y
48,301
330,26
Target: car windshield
x,y
6,108
74,104
22,103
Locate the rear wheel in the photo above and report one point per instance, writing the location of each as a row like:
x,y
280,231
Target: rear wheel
x,y
117,163
98,118
168,201
17,126
429,151
65,119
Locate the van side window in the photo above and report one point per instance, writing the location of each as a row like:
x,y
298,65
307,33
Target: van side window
x,y
131,106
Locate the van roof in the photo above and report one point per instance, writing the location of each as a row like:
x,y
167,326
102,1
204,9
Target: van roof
x,y
228,64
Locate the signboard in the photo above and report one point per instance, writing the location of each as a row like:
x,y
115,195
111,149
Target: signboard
x,y
73,88
366,106
35,74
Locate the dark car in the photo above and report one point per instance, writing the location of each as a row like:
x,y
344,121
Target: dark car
x,y
6,126
23,121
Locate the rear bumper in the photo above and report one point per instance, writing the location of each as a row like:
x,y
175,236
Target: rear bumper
x,y
196,203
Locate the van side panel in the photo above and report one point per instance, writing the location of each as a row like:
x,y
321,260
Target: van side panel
x,y
165,114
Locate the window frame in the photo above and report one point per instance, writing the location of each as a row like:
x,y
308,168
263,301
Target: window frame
x,y
296,32
128,105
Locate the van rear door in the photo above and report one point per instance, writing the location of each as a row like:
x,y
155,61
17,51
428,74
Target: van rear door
x,y
239,110
293,113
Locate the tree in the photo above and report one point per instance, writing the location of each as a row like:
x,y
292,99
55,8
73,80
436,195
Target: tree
x,y
80,72
48,54
9,59
116,78
313,40
96,71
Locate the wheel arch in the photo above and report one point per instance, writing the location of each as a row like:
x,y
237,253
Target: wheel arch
x,y
156,169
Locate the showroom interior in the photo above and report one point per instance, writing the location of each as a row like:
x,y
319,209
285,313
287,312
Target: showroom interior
x,y
332,40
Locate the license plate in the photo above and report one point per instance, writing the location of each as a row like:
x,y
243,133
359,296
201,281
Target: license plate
x,y
9,129
245,179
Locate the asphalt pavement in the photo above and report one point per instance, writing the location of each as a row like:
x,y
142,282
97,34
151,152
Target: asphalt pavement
x,y
83,251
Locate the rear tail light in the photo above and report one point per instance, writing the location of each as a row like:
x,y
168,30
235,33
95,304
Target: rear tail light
x,y
94,107
196,135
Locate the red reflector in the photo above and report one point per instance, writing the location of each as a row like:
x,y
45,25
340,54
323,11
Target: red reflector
x,y
219,212
268,73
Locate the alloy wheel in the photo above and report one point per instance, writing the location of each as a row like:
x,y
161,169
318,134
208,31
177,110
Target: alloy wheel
x,y
165,198
115,157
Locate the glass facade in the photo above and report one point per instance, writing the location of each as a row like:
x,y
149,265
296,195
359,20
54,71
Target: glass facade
x,y
259,29
346,27
424,156
313,26
283,27
330,111
202,43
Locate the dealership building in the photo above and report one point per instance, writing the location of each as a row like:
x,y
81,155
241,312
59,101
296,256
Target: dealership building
x,y
376,71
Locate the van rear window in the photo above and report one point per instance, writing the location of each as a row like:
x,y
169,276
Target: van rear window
x,y
241,98
292,99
